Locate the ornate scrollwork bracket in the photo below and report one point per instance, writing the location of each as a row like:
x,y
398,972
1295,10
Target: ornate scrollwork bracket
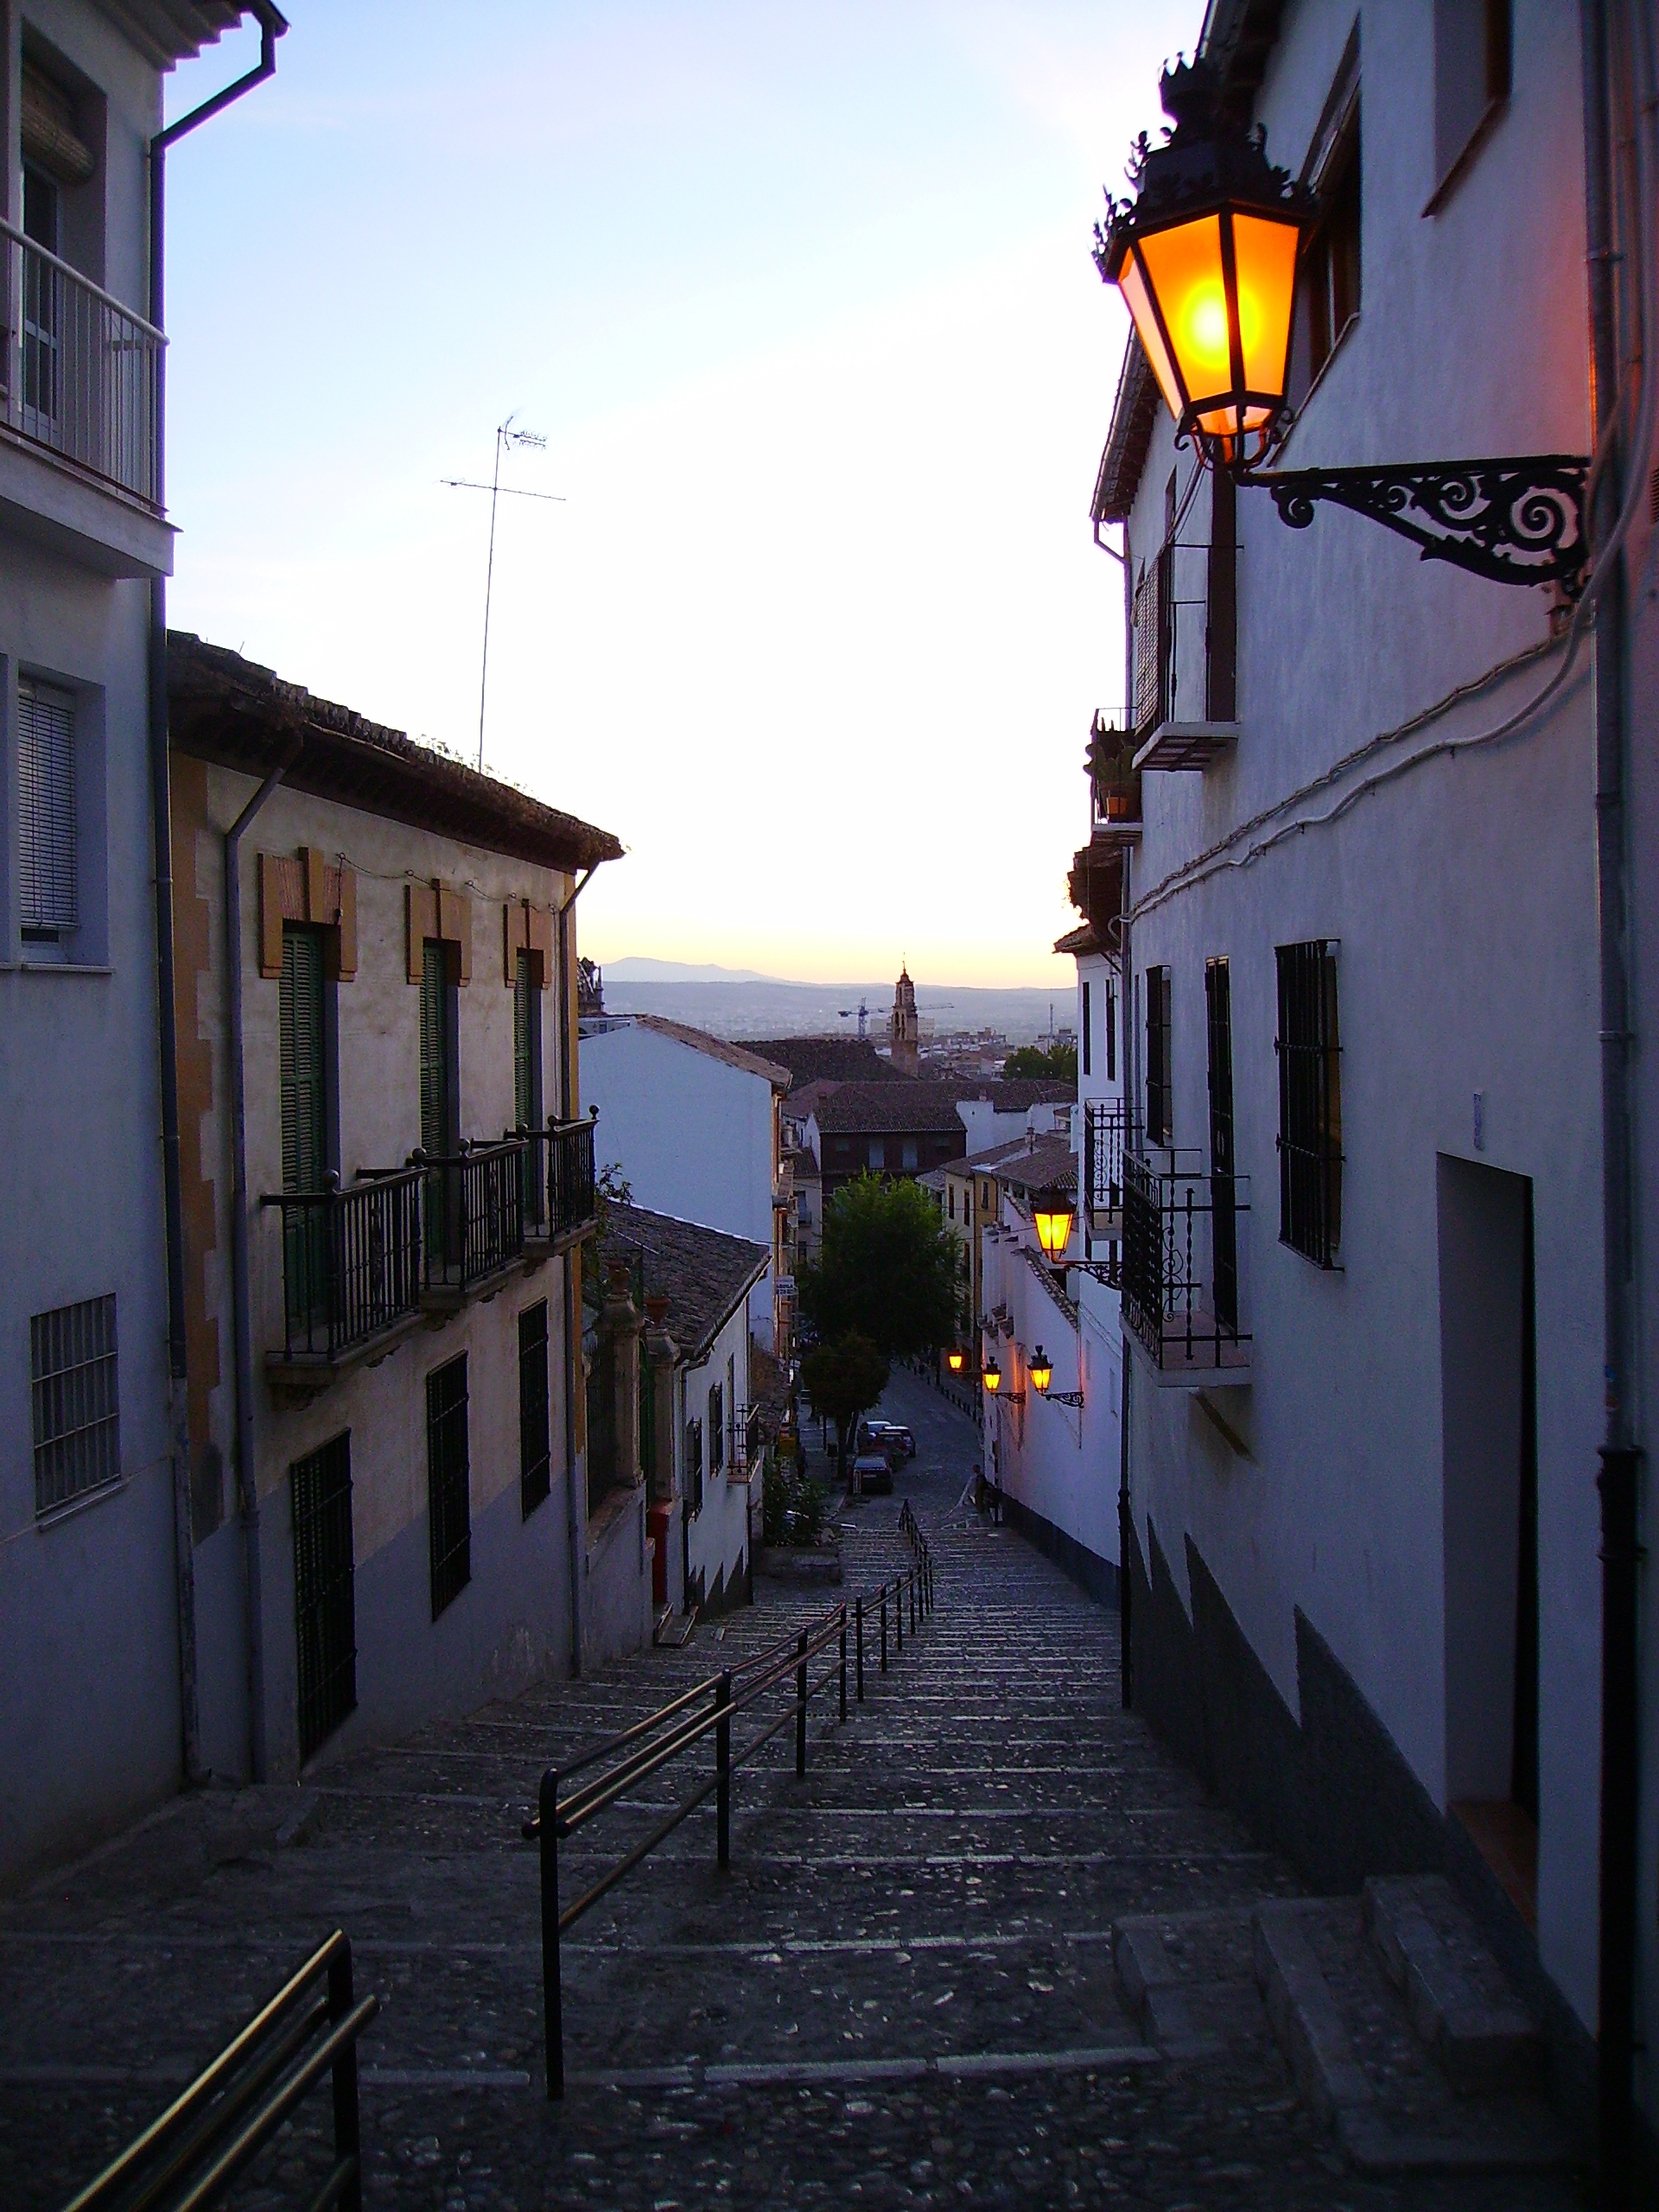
x,y
1065,1398
1515,522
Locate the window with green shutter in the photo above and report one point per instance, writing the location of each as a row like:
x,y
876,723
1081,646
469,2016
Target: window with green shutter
x,y
450,1520
304,1072
438,1052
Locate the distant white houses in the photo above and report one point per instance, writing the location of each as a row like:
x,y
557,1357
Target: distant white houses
x,y
694,1125
701,1452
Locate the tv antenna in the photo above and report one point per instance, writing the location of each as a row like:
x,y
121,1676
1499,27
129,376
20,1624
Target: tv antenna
x,y
504,435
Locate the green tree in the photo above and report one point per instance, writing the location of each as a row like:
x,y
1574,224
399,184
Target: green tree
x,y
844,1380
1032,1064
890,1269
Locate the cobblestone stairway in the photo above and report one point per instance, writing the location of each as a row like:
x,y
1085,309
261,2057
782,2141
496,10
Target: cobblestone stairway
x,y
996,1949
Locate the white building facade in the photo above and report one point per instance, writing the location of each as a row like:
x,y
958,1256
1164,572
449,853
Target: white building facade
x,y
96,1614
694,1125
1361,936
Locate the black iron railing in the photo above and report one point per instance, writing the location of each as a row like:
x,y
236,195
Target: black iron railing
x,y
570,1188
748,1438
1105,1127
474,1204
351,1262
1171,1244
708,1709
193,2154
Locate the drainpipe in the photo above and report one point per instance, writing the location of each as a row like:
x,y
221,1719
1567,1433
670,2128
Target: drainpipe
x,y
1619,1451
1128,1041
271,26
573,1514
241,1308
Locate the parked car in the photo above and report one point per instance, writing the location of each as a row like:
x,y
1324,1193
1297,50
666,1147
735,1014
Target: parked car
x,y
872,1475
889,1436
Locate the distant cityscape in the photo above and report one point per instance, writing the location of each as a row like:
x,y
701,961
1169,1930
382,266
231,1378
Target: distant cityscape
x,y
741,1005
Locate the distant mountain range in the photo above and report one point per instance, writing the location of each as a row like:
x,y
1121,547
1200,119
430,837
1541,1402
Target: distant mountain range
x,y
633,970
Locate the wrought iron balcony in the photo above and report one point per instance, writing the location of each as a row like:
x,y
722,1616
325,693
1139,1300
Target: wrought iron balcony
x,y
1181,1270
83,373
1114,783
350,1263
1105,1127
473,1210
1184,705
748,1440
572,1198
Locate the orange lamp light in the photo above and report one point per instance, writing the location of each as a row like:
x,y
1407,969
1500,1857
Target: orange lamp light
x,y
1042,1371
1053,1214
992,1378
953,1359
1205,257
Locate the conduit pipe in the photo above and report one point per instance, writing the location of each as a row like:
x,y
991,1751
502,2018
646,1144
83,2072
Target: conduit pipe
x,y
271,26
1619,1451
573,1516
247,1471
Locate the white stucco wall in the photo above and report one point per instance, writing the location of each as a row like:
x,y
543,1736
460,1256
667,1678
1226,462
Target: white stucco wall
x,y
694,1136
1462,896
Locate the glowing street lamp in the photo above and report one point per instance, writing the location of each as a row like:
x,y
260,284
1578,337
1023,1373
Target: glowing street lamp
x,y
992,1377
1205,257
953,1359
1042,1371
1053,1214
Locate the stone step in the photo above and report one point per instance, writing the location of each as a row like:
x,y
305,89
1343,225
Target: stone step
x,y
1456,1994
1362,2069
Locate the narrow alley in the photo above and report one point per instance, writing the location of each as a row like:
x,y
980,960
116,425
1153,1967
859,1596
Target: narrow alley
x,y
997,1950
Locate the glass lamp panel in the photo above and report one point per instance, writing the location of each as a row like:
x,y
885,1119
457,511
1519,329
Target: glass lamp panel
x,y
1132,286
1184,264
992,1378
1264,255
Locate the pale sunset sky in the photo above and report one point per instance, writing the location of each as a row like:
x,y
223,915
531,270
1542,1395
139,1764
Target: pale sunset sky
x,y
800,297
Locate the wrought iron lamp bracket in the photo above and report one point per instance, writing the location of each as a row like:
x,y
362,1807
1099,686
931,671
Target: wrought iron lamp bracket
x,y
1065,1398
1110,1272
1514,522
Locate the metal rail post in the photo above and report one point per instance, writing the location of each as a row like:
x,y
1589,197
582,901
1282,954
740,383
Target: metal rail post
x,y
898,1613
348,2138
723,1770
912,1600
800,1711
843,1666
552,2008
858,1625
884,1628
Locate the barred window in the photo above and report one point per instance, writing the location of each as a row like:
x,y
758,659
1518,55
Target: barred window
x,y
1310,1103
447,1477
1160,1115
77,1413
325,1603
47,880
716,1429
534,1447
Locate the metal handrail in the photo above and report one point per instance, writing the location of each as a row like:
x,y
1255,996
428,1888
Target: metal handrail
x,y
68,269
646,1750
188,2158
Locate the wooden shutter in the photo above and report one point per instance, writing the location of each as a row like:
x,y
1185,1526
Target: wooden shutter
x,y
434,1055
46,807
305,1165
523,1076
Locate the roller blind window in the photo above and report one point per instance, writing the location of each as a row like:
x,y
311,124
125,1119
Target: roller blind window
x,y
46,806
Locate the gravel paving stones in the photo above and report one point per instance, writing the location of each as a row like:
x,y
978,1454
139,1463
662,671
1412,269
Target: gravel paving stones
x,y
996,1951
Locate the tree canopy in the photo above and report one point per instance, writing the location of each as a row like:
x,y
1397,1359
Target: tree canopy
x,y
1059,1063
844,1380
889,1270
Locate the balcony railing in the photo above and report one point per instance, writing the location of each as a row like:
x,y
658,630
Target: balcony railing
x,y
474,1204
748,1440
351,1262
83,373
1103,1130
571,1195
1182,1267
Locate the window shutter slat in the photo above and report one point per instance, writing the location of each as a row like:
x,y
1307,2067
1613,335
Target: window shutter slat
x,y
46,788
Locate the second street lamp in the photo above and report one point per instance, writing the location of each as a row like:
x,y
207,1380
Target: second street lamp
x,y
1053,1214
1205,255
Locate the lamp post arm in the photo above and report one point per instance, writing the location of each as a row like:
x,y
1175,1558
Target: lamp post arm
x,y
1514,521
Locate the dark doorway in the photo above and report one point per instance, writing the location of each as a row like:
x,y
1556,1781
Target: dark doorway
x,y
1489,1508
1218,1012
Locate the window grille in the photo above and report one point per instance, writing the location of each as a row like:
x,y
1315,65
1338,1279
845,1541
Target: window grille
x,y
47,880
325,1606
437,1050
1151,629
694,1465
535,1431
1159,1116
448,1502
1310,1103
716,1429
76,1402
1224,1226
1111,1034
